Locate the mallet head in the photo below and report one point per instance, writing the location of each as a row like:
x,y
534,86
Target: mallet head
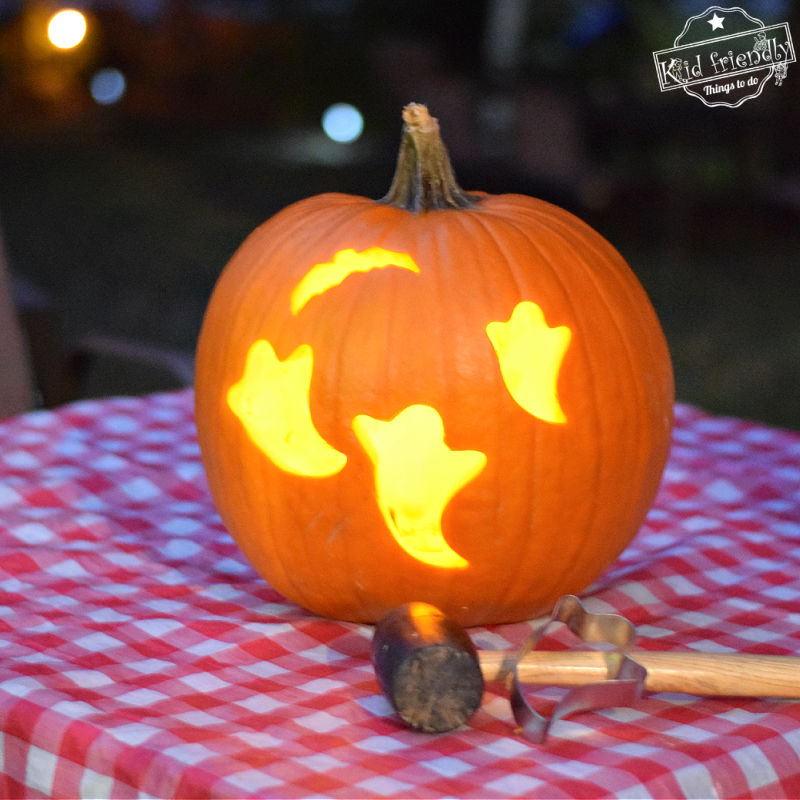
x,y
428,667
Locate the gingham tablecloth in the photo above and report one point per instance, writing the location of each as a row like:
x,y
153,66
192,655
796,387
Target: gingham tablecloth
x,y
140,655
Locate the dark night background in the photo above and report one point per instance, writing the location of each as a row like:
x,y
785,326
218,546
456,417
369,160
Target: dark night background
x,y
118,218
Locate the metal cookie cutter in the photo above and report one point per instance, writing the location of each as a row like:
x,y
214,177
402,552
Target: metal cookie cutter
x,y
623,688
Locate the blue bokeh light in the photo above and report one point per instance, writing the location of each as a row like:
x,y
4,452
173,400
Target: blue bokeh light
x,y
342,122
107,86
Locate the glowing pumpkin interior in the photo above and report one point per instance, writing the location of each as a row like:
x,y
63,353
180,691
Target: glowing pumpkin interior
x,y
416,473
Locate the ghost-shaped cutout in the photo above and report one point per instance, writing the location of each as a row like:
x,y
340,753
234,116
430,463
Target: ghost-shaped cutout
x,y
530,355
272,402
416,475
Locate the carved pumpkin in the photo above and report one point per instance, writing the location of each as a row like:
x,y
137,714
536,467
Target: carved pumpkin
x,y
464,399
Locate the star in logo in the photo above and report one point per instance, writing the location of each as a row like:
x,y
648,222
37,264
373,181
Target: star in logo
x,y
716,22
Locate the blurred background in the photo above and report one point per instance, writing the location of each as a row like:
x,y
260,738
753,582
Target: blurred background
x,y
135,156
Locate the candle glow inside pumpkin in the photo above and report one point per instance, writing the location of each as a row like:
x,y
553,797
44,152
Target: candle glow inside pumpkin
x,y
416,473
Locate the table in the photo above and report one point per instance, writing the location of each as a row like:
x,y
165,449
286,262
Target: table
x,y
140,655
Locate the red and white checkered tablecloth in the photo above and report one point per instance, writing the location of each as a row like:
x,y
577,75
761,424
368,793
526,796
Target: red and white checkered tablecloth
x,y
140,655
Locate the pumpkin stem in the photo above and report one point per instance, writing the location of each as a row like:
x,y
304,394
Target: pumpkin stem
x,y
424,179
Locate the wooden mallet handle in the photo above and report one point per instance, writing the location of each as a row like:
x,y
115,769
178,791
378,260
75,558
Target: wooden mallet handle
x,y
729,674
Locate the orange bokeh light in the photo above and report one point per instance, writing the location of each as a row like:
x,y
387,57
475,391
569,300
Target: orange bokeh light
x,y
66,28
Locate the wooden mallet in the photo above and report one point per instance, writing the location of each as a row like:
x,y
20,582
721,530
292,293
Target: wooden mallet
x,y
429,669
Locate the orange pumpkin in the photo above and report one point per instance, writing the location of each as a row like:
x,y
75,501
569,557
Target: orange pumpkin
x,y
464,399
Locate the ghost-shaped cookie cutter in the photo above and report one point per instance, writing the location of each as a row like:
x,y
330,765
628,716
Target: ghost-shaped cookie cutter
x,y
617,677
623,685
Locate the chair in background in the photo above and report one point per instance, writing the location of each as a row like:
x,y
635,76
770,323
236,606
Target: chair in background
x,y
39,367
17,391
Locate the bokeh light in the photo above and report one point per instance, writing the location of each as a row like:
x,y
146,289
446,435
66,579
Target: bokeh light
x,y
66,28
107,86
342,122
